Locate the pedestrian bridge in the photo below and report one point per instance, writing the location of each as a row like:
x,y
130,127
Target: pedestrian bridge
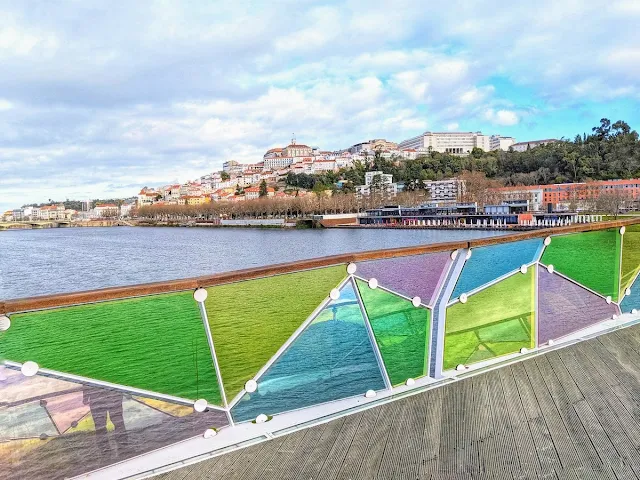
x,y
513,356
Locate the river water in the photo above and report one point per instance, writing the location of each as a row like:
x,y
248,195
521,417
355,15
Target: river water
x,y
39,262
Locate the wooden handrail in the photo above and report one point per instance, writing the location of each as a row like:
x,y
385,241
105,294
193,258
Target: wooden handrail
x,y
112,293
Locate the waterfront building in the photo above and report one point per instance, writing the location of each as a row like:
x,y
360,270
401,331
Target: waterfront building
x,y
147,196
563,195
106,210
498,142
524,146
51,212
454,143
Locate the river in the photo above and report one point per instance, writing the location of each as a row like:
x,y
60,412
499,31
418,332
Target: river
x,y
39,262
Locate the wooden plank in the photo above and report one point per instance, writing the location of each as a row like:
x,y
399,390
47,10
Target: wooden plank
x,y
378,441
601,442
214,469
506,455
339,450
394,449
358,447
238,470
319,454
529,462
605,415
410,446
577,434
561,440
275,467
607,402
431,435
296,462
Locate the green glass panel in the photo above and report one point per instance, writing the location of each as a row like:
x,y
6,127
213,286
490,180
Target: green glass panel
x,y
496,321
591,259
251,320
630,257
156,343
400,330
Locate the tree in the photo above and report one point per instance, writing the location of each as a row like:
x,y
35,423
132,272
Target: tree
x,y
263,188
613,202
239,190
225,176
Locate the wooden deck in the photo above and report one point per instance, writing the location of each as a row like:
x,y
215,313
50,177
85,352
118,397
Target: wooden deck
x,y
571,413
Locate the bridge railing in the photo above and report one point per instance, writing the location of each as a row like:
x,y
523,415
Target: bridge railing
x,y
132,369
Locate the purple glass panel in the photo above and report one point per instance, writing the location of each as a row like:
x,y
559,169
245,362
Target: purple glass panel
x,y
564,307
415,275
51,428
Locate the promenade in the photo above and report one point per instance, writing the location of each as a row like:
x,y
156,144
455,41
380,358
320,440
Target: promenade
x,y
567,414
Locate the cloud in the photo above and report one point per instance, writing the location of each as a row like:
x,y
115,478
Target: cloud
x,y
95,99
501,117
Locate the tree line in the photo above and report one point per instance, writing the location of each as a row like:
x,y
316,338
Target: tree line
x,y
292,207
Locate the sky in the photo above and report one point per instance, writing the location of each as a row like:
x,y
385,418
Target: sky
x,y
100,98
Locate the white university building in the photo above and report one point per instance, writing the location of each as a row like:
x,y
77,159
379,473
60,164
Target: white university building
x,y
456,143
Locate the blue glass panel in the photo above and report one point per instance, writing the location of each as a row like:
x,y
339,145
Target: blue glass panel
x,y
488,263
331,359
633,300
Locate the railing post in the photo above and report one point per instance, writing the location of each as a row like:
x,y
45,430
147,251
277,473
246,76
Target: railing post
x,y
440,312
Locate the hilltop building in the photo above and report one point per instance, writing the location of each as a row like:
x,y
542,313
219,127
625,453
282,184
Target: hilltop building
x,y
454,143
524,146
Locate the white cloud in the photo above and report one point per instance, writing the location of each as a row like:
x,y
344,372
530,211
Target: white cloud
x,y
175,91
501,117
5,105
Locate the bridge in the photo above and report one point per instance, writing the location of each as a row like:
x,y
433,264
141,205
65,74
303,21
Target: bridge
x,y
505,357
34,224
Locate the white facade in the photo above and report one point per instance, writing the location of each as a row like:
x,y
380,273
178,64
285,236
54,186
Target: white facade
x,y
498,142
275,163
523,146
385,186
454,143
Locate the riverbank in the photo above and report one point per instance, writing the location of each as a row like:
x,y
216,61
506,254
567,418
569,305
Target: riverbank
x,y
44,224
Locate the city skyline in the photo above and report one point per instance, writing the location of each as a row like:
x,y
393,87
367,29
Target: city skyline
x,y
97,102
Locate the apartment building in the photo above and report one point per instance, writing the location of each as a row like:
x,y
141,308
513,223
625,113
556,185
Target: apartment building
x,y
444,191
377,182
564,194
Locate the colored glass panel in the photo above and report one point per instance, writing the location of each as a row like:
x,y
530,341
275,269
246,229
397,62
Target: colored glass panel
x,y
66,410
630,257
591,259
416,275
96,427
400,330
156,343
491,262
251,320
331,359
495,321
632,301
564,307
